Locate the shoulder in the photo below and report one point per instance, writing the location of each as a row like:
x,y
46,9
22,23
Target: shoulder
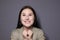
x,y
39,31
15,31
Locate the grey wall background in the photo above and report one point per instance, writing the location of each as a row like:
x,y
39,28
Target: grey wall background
x,y
48,12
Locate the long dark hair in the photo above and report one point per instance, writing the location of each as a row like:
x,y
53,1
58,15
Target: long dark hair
x,y
35,24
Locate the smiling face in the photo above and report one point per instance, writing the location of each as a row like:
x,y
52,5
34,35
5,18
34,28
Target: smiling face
x,y
27,17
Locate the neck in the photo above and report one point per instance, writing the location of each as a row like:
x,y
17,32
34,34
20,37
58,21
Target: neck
x,y
27,28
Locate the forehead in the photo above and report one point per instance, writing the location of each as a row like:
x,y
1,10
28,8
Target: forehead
x,y
27,10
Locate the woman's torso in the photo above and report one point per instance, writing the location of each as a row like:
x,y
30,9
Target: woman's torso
x,y
36,33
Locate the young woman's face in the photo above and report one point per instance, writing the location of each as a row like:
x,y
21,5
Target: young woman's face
x,y
27,17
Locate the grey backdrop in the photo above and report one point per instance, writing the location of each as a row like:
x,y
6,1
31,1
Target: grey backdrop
x,y
48,12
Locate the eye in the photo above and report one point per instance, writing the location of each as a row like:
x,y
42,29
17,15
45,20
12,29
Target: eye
x,y
30,14
23,14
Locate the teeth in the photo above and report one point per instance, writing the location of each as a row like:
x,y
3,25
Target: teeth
x,y
26,22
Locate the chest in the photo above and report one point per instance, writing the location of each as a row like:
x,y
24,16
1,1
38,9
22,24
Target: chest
x,y
34,36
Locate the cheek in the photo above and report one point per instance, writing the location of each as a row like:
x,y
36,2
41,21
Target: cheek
x,y
22,18
32,19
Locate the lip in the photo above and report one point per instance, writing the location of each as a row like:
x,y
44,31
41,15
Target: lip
x,y
27,22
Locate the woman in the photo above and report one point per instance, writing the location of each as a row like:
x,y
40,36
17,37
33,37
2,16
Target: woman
x,y
27,27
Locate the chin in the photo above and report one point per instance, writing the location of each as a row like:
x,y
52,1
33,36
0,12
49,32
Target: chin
x,y
27,26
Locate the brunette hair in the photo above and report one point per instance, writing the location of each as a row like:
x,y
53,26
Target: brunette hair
x,y
35,24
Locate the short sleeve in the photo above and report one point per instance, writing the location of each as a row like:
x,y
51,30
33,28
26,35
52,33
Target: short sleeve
x,y
14,35
41,35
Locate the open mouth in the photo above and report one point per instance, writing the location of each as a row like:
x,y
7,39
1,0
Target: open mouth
x,y
27,22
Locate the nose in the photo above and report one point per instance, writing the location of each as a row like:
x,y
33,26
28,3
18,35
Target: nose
x,y
27,18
